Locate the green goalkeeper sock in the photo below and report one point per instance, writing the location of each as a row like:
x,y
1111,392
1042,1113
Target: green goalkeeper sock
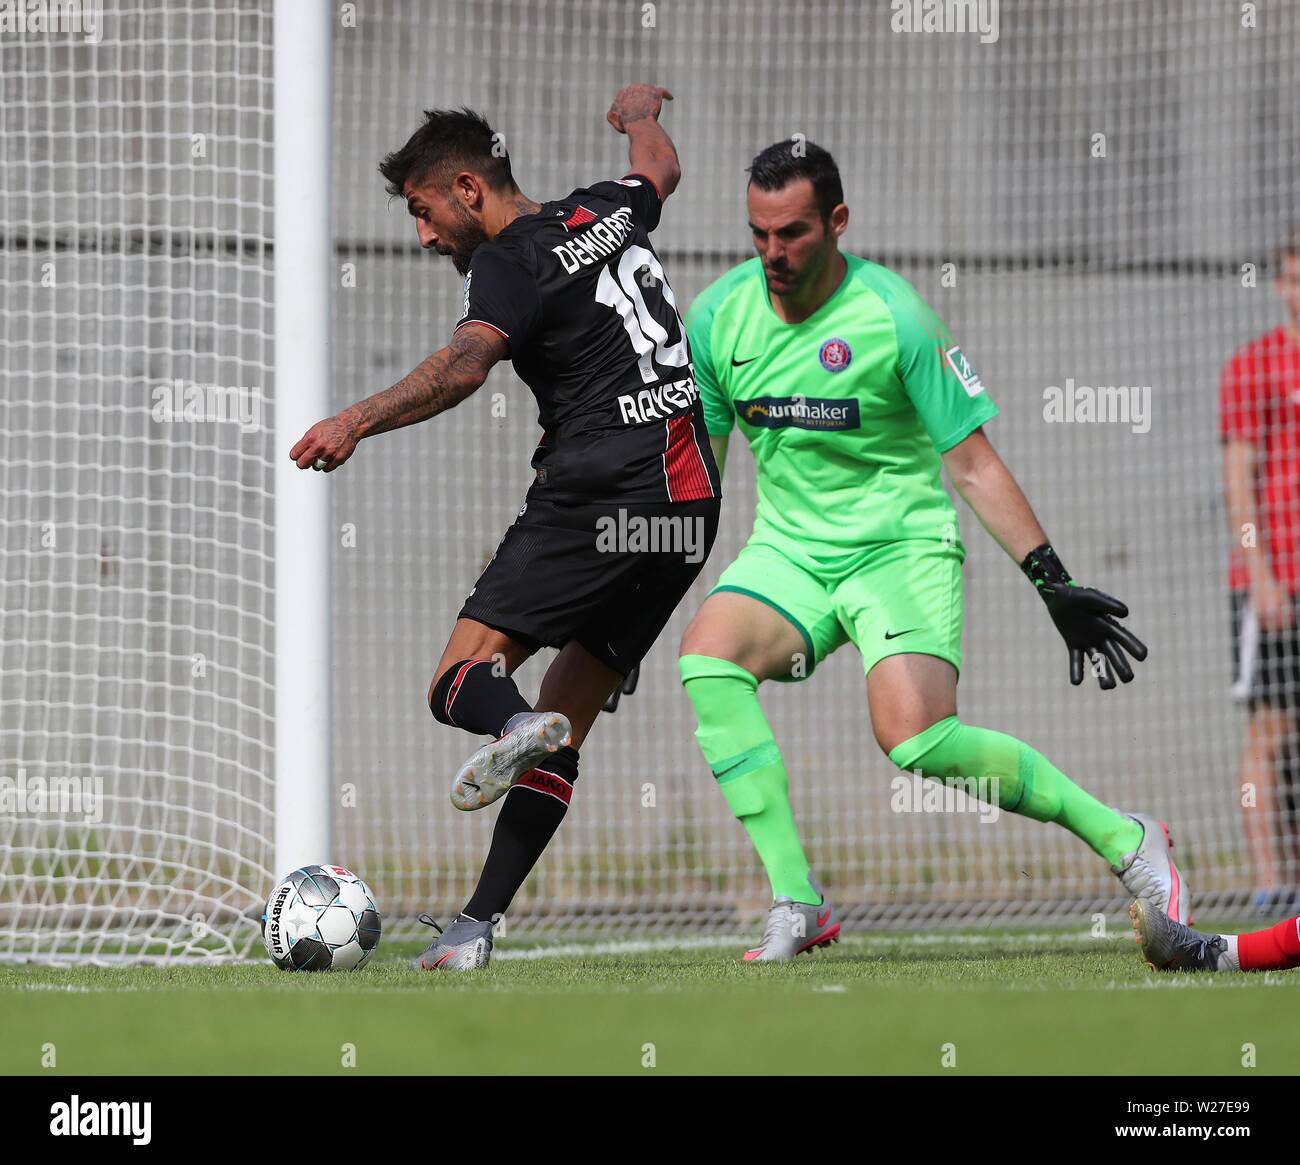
x,y
1026,782
738,744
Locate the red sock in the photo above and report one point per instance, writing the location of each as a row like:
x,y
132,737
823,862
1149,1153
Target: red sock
x,y
1274,949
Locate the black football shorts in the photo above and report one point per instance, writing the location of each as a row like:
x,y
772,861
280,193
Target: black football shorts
x,y
604,574
1266,663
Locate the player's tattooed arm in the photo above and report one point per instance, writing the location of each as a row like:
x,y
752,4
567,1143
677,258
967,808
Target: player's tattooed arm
x,y
635,103
650,150
438,383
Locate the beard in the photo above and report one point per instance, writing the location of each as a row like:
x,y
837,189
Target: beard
x,y
782,279
464,240
788,280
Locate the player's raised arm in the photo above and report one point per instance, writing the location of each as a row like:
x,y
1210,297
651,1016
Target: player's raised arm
x,y
650,150
438,383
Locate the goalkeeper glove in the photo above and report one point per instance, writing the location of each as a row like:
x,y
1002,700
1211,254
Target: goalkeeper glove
x,y
627,687
1086,620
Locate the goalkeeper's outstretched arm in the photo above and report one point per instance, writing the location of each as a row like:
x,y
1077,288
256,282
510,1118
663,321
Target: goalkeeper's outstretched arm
x,y
985,484
650,150
438,383
1086,618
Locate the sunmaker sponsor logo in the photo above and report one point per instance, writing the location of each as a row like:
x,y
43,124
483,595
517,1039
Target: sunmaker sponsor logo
x,y
799,412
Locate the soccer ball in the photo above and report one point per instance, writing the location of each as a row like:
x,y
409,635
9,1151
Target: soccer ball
x,y
321,918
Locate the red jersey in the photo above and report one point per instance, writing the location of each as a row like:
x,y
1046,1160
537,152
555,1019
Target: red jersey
x,y
1259,402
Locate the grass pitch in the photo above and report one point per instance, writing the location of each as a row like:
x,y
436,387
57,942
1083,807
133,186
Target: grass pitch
x,y
898,1004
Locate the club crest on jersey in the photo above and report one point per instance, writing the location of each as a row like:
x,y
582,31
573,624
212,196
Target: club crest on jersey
x,y
835,354
970,379
799,412
579,218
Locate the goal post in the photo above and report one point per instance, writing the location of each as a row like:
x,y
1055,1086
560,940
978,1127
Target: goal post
x,y
303,377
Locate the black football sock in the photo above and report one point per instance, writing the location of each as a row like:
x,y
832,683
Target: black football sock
x,y
475,696
530,815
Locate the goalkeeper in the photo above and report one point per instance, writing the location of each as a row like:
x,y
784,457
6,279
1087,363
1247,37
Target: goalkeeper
x,y
851,392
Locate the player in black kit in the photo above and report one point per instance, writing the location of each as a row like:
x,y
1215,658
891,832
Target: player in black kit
x,y
624,506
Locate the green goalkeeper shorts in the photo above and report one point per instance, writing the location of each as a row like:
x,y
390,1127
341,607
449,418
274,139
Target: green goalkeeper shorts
x,y
905,597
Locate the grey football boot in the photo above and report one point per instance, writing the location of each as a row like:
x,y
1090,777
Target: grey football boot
x,y
494,768
466,945
1168,945
793,928
1149,872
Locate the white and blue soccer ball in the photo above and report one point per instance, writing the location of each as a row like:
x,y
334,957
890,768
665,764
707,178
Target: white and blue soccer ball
x,y
321,918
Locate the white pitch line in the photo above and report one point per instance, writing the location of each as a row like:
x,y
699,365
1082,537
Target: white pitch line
x,y
707,942
724,942
75,988
690,943
629,946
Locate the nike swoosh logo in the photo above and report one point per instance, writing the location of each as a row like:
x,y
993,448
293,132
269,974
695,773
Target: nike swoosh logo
x,y
821,918
896,634
740,363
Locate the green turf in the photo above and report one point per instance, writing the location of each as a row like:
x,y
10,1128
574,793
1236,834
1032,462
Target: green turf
x,y
1005,1003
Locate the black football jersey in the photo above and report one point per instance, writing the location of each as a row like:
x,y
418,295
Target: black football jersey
x,y
593,328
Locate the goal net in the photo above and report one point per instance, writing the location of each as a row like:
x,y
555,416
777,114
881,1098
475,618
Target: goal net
x,y
1091,194
136,703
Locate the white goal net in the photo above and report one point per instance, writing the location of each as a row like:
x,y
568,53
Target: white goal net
x,y
1090,193
135,591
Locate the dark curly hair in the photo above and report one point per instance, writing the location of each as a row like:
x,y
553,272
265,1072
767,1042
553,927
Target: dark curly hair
x,y
449,141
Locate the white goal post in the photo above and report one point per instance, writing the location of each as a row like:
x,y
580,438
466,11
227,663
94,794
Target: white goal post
x,y
304,277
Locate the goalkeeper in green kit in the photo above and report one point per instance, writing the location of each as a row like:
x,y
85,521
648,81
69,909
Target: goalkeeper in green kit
x,y
851,394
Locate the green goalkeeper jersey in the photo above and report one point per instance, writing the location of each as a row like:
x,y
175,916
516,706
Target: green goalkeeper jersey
x,y
846,413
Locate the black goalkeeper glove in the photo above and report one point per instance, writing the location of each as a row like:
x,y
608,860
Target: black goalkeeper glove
x,y
626,688
1085,618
